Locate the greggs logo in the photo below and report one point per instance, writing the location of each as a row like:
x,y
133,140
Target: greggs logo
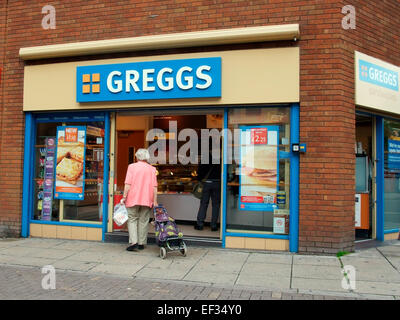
x,y
150,80
377,75
91,83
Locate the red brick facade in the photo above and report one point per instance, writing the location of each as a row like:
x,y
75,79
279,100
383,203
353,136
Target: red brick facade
x,y
327,116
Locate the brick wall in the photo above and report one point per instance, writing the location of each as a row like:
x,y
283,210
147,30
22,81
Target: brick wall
x,y
327,85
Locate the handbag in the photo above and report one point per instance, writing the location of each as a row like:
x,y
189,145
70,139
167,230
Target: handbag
x,y
198,187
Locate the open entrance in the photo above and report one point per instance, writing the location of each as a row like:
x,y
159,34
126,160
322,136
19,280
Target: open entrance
x,y
177,163
365,155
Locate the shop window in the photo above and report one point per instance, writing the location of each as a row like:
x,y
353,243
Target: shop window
x,y
258,176
392,175
68,176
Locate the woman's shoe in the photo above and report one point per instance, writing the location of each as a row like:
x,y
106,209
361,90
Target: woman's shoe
x,y
132,247
141,247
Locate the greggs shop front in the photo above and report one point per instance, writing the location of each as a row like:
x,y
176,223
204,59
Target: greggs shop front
x,y
86,119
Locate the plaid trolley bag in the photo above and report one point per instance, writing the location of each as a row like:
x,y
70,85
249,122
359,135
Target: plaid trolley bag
x,y
168,236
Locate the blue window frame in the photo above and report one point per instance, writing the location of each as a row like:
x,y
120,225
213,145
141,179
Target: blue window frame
x,y
294,187
32,120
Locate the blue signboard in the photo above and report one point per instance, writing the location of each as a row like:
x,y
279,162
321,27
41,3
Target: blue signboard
x,y
378,75
259,168
150,80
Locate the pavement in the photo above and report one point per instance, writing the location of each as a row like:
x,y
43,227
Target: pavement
x,y
96,270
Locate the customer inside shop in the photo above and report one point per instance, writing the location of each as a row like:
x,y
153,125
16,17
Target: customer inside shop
x,y
175,146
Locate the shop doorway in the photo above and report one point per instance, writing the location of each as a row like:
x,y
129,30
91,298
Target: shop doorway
x,y
175,179
365,187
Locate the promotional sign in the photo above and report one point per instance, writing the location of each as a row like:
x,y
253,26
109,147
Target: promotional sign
x,y
394,151
259,168
70,165
150,80
48,179
377,84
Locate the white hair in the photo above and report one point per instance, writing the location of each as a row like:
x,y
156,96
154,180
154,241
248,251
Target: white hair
x,y
142,155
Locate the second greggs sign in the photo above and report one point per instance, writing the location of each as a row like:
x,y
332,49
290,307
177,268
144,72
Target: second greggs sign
x,y
150,80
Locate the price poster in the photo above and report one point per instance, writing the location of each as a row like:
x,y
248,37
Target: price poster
x,y
259,168
48,179
70,163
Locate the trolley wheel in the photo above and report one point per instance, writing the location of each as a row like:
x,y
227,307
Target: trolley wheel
x,y
184,249
163,253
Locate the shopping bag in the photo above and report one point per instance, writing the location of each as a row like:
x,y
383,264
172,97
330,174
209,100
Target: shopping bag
x,y
120,215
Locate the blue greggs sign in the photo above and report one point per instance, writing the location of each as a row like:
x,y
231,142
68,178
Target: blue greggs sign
x,y
150,80
377,75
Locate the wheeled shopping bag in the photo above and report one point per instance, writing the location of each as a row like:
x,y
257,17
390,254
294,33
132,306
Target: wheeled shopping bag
x,y
168,236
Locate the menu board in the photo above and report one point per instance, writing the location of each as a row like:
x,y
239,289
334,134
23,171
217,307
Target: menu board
x,y
48,179
259,168
70,168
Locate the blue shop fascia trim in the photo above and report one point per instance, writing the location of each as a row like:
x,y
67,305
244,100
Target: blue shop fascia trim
x,y
28,182
31,121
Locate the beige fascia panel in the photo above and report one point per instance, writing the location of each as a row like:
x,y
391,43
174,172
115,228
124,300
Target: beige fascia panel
x,y
165,41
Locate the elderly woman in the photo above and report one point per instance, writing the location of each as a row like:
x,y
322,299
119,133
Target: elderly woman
x,y
140,195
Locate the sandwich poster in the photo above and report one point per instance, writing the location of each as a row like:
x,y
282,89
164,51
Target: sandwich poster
x,y
70,166
259,168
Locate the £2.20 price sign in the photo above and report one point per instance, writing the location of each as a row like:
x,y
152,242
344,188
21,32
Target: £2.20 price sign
x,y
259,136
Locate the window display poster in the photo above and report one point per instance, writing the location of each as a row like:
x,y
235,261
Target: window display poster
x,y
47,203
70,163
394,150
259,168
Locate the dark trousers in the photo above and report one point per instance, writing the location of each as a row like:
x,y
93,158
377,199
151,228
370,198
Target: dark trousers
x,y
210,190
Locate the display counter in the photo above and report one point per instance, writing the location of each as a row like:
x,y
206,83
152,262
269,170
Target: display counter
x,y
182,206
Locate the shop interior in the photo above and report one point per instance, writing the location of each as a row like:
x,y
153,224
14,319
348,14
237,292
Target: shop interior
x,y
364,202
175,180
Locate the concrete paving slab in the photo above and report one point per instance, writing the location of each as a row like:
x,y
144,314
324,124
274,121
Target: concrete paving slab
x,y
211,277
380,275
17,251
167,264
270,258
318,284
316,260
50,253
317,272
393,251
156,273
74,265
74,245
40,242
4,259
85,256
116,269
383,288
227,256
395,261
259,281
31,261
219,266
269,270
6,243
